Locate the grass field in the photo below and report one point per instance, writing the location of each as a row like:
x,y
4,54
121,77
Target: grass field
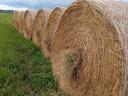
x,y
24,71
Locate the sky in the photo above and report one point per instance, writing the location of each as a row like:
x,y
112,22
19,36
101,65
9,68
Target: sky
x,y
34,4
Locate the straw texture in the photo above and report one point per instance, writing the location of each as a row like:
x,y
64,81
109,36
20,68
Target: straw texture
x,y
17,20
50,29
14,19
39,23
28,23
89,49
21,22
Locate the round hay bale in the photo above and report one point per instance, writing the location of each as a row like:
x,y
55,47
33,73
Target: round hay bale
x,y
89,49
40,24
50,29
29,17
21,21
17,14
14,19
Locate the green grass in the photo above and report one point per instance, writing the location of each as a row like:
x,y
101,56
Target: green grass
x,y
24,71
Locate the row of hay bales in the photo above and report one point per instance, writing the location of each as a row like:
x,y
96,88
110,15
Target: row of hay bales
x,y
87,44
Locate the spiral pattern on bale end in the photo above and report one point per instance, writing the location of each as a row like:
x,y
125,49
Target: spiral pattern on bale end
x,y
39,23
50,29
89,49
29,17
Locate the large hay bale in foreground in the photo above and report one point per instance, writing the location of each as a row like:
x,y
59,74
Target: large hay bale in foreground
x,y
89,49
29,17
50,29
39,23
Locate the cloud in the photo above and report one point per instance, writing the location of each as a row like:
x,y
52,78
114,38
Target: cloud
x,y
6,7
122,0
37,4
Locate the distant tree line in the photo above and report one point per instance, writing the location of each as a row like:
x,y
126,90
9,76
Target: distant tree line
x,y
7,11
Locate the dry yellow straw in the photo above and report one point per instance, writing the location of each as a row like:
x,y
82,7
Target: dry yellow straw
x,y
39,22
50,29
89,49
21,21
28,23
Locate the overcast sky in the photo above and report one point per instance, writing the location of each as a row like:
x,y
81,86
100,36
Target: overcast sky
x,y
34,4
